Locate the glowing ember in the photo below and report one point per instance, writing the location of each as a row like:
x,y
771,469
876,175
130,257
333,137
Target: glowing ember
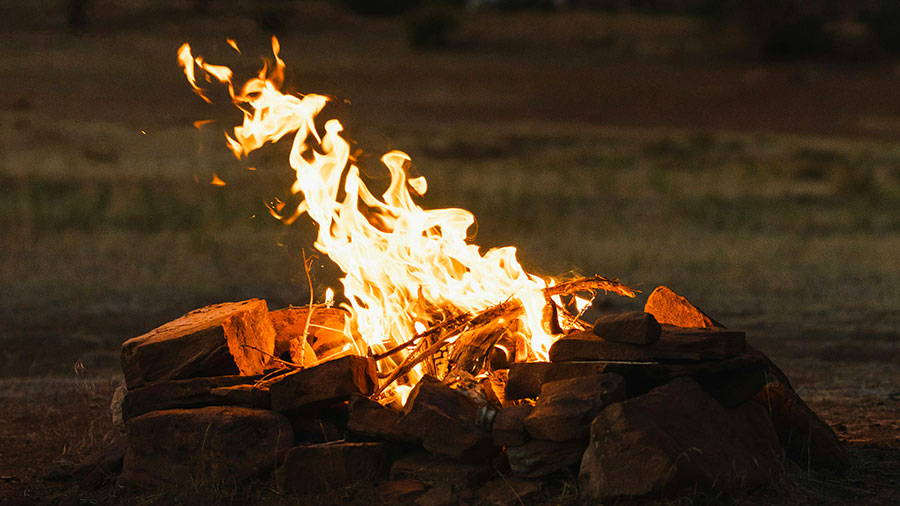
x,y
407,269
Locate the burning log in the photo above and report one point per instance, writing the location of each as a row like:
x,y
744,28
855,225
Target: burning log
x,y
674,440
223,339
589,284
675,343
186,447
335,380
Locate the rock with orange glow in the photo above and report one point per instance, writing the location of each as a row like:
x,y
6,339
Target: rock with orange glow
x,y
632,327
540,457
508,428
807,439
323,330
335,380
333,466
566,408
217,340
194,393
527,378
675,343
678,440
443,420
670,308
370,419
187,447
433,470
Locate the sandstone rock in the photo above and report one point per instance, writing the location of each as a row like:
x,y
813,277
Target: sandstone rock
x,y
633,327
565,408
508,491
325,332
433,470
675,343
807,439
440,495
444,421
399,491
526,378
206,342
333,466
509,426
194,393
370,419
540,457
673,309
186,447
101,466
335,380
676,439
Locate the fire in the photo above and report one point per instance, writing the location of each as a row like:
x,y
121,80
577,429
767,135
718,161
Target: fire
x,y
406,268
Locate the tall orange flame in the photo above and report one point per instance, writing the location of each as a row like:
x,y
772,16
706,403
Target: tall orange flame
x,y
406,268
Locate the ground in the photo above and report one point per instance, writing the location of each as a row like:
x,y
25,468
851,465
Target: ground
x,y
656,150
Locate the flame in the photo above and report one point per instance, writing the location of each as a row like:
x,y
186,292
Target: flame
x,y
217,181
406,268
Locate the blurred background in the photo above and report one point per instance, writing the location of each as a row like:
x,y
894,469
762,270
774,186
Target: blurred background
x,y
744,153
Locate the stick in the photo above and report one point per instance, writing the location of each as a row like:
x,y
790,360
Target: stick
x,y
592,283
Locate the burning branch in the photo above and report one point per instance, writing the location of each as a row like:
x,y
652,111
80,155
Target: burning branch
x,y
590,284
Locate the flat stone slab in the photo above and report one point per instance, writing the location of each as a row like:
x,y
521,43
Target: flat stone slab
x,y
566,408
632,327
218,340
186,447
675,343
335,380
194,393
333,466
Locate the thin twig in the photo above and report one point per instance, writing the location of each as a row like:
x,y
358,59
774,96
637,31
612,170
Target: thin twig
x,y
306,264
273,357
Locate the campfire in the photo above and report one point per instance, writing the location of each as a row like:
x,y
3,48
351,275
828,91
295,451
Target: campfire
x,y
442,367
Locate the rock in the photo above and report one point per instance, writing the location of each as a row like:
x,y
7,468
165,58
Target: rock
x,y
185,447
439,495
444,421
675,343
206,342
333,466
335,380
633,327
370,419
731,381
325,335
526,378
101,466
540,457
509,426
433,470
565,409
311,427
673,309
676,439
508,491
399,491
807,439
194,393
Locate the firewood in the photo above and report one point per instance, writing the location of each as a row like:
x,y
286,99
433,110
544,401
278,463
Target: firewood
x,y
218,340
589,284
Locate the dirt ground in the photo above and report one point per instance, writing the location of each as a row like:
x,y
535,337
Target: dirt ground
x,y
651,149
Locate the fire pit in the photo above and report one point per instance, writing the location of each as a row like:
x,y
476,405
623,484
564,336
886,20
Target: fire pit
x,y
446,375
